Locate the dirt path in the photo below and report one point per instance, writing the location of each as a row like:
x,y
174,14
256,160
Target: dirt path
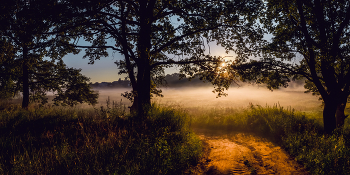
x,y
239,153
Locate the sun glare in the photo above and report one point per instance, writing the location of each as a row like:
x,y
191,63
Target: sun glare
x,y
223,64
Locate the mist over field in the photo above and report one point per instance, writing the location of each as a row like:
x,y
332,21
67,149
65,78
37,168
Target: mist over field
x,y
238,97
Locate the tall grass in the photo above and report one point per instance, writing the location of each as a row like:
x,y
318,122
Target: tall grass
x,y
103,140
299,134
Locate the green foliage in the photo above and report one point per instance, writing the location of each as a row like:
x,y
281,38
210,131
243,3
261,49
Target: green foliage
x,y
28,35
312,31
7,83
67,140
72,87
320,154
308,40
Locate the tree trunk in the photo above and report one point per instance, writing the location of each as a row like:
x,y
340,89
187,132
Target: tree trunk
x,y
339,114
25,79
144,64
143,90
134,106
333,112
329,111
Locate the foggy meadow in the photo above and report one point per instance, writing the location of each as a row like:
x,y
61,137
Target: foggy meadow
x,y
237,97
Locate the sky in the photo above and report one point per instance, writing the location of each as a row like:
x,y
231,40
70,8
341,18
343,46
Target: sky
x,y
104,70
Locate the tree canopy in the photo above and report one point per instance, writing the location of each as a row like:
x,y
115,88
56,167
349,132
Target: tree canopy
x,y
310,39
155,34
32,51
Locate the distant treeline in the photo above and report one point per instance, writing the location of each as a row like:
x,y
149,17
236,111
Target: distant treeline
x,y
115,84
173,80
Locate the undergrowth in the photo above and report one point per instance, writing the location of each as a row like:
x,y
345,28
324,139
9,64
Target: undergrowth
x,y
299,134
104,140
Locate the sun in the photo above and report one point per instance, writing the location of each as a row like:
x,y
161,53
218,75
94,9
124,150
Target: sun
x,y
223,64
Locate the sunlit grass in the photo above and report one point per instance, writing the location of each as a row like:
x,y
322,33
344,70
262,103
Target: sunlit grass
x,y
107,140
299,133
100,140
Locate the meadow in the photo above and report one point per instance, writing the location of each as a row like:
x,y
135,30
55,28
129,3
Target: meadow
x,y
288,117
105,139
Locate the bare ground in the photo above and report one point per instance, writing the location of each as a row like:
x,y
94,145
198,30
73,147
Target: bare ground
x,y
243,153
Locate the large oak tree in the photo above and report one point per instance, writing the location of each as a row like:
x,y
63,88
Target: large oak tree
x,y
154,34
310,39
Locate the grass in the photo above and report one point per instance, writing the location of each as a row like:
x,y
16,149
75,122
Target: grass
x,y
300,134
107,140
104,140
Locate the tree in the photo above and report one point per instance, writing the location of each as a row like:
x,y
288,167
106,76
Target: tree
x,y
7,82
27,34
315,34
154,34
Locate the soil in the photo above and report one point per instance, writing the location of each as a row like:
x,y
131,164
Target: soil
x,y
242,153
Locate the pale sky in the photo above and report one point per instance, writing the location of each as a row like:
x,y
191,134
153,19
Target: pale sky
x,y
104,70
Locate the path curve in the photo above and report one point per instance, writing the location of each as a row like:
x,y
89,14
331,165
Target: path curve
x,y
242,153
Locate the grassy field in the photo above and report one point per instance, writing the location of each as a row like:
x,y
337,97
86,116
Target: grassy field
x,y
290,117
107,140
104,140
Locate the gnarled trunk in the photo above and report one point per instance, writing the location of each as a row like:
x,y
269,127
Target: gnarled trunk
x,y
142,95
144,60
143,90
339,114
333,114
329,121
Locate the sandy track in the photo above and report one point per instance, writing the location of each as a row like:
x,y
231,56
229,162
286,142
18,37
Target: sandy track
x,y
240,153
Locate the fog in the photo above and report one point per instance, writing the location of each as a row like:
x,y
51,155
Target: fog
x,y
238,97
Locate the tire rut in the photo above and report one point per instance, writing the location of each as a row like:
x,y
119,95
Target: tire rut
x,y
242,153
